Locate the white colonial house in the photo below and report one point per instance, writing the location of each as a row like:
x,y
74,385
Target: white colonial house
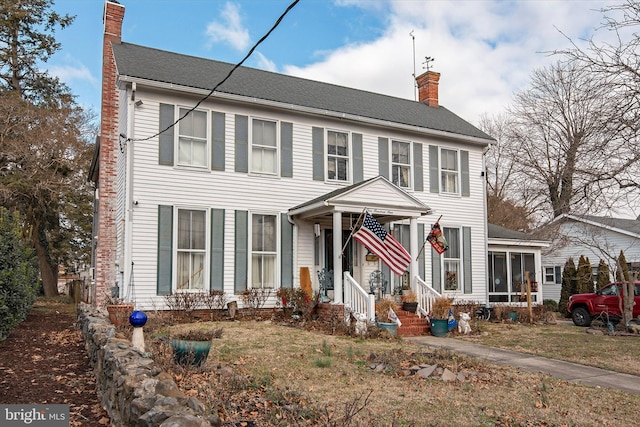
x,y
595,237
260,183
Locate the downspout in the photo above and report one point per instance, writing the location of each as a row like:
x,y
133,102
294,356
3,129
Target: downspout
x,y
294,249
129,203
486,225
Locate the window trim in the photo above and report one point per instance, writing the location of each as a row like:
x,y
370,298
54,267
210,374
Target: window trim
x,y
177,134
349,156
250,252
176,250
459,260
277,148
457,173
409,164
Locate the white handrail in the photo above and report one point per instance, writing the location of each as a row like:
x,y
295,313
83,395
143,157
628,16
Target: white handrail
x,y
426,295
357,299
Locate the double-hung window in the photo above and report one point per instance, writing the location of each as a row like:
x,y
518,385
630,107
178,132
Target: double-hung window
x,y
449,171
452,260
264,234
192,138
191,249
338,156
264,146
401,163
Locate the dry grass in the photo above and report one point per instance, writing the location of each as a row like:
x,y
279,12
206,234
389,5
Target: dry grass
x,y
268,375
620,353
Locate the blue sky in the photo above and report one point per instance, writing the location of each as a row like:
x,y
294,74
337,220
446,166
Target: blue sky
x,y
485,50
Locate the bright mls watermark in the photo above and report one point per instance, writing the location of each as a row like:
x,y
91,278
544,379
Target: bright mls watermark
x,y
34,415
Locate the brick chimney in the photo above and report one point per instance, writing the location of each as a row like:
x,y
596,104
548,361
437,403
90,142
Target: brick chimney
x,y
428,88
106,246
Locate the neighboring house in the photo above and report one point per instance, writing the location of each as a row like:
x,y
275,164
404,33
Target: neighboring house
x,y
594,237
249,188
513,254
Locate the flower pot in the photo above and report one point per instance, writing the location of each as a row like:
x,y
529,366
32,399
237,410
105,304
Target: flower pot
x,y
513,316
119,314
411,306
190,352
439,327
389,327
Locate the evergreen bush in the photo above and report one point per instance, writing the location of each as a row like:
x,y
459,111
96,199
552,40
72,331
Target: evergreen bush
x,y
569,287
18,274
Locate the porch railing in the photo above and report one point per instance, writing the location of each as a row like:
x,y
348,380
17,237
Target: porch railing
x,y
426,295
357,299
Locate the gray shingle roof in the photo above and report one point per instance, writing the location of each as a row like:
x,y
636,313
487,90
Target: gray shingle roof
x,y
167,67
630,225
497,232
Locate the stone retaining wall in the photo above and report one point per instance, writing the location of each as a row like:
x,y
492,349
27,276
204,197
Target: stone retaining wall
x,y
132,389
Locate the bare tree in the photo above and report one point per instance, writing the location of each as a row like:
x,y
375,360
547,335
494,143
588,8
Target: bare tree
x,y
565,144
508,204
617,65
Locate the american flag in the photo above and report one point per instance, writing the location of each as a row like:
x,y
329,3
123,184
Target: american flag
x,y
389,250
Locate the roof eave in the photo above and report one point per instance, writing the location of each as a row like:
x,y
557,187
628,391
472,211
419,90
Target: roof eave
x,y
309,110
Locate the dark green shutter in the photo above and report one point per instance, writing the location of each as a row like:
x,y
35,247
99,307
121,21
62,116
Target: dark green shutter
x,y
217,249
436,269
358,175
318,153
418,169
286,257
218,138
165,139
421,263
558,275
383,157
165,250
466,259
465,189
242,143
286,144
434,172
241,254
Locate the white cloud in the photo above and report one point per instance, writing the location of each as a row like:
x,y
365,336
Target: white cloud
x,y
229,29
69,73
265,63
485,50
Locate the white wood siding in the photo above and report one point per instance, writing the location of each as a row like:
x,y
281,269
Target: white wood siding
x,y
178,186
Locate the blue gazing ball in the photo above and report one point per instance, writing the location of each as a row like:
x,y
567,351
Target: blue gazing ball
x,y
138,319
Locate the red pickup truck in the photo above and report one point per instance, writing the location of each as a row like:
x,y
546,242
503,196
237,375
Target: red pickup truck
x,y
585,307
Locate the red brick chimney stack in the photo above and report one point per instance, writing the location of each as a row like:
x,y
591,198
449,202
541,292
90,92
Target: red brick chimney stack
x,y
428,88
106,244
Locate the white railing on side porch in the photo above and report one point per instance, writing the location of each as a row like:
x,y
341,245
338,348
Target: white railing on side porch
x,y
426,295
357,299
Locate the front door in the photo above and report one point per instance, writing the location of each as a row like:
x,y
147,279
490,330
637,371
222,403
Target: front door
x,y
347,256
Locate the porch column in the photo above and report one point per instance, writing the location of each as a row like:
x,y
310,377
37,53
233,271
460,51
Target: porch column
x,y
413,250
337,257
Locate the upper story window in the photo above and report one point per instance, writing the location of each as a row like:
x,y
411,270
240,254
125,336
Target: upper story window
x,y
191,249
192,138
401,163
449,171
263,250
338,156
264,146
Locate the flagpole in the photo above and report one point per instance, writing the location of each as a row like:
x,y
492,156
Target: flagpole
x,y
425,240
353,231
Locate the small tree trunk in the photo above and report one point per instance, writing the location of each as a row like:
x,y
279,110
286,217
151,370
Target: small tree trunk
x,y
48,272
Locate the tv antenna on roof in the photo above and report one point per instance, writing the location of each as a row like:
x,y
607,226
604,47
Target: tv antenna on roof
x,y
415,84
427,62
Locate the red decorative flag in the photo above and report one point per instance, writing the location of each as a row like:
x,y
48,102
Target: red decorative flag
x,y
437,240
372,235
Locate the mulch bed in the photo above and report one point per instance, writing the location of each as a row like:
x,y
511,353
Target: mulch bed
x,y
44,361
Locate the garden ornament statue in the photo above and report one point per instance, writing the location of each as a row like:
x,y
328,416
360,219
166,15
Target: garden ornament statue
x,y
138,319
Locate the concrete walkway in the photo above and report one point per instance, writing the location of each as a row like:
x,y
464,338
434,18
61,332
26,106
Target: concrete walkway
x,y
572,372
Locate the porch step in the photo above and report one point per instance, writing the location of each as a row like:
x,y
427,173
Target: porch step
x,y
412,325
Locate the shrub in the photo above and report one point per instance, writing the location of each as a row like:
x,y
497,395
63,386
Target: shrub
x,y
18,274
550,304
